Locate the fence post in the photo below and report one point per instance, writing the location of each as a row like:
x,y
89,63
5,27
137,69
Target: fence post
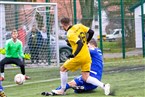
x,y
75,12
143,33
100,25
122,24
48,33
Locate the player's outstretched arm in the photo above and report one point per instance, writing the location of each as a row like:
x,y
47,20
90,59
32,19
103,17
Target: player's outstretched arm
x,y
79,47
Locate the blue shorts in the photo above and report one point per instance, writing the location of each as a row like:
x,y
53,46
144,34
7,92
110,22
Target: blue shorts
x,y
87,87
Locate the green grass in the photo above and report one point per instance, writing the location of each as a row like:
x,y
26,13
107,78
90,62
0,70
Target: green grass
x,y
124,83
111,63
113,47
109,44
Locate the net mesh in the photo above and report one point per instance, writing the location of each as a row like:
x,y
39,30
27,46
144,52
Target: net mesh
x,y
35,25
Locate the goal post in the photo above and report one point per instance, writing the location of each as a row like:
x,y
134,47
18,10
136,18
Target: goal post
x,y
37,26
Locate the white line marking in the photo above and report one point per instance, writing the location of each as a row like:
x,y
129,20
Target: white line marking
x,y
34,82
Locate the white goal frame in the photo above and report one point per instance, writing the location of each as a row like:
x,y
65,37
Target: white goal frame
x,y
41,5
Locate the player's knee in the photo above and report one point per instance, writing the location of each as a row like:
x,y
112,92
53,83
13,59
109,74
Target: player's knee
x,y
85,76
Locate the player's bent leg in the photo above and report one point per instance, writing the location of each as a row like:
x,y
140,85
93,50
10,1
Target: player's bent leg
x,y
2,64
20,63
96,82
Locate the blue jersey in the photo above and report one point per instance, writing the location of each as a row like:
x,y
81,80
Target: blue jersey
x,y
96,69
97,63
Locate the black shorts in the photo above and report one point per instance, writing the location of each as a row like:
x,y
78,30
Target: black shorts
x,y
16,61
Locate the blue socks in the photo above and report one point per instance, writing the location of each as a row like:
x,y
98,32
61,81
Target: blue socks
x,y
67,87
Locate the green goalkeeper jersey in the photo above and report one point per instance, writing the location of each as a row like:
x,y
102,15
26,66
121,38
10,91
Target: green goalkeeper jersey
x,y
14,49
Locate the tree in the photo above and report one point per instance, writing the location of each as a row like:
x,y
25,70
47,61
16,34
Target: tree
x,y
87,7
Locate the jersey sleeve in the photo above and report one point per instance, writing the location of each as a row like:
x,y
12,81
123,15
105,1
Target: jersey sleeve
x,y
21,50
7,46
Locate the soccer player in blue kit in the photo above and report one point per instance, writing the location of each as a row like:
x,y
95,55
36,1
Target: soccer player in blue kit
x,y
78,84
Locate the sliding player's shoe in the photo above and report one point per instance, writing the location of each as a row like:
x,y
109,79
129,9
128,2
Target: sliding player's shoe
x,y
107,89
47,93
58,92
79,89
2,94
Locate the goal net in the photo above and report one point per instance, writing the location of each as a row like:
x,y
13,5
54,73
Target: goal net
x,y
37,26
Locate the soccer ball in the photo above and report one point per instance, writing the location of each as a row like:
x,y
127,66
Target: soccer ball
x,y
19,79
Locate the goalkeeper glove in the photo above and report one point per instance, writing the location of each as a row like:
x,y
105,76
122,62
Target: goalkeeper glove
x,y
71,56
2,51
27,56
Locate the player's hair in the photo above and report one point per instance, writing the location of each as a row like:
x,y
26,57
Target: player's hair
x,y
93,42
14,30
65,21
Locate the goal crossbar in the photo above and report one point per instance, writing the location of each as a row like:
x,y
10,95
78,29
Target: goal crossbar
x,y
28,3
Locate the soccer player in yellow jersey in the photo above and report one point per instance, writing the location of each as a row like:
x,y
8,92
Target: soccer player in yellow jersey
x,y
77,37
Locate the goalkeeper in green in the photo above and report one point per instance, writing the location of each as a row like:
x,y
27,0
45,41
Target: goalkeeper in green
x,y
14,54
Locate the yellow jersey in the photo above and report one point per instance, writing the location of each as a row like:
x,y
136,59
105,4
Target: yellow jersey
x,y
75,33
82,59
